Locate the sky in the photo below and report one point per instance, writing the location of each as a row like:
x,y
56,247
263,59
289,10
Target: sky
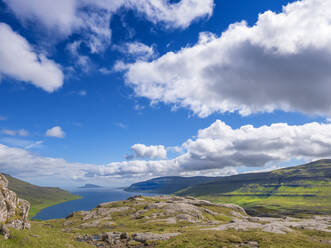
x,y
114,92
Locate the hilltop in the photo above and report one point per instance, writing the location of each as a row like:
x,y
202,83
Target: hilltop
x,y
39,197
167,185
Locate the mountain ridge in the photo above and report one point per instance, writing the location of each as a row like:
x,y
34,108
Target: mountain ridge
x,y
39,197
303,189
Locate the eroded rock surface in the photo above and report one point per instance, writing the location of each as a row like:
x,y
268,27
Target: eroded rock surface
x,y
277,225
13,210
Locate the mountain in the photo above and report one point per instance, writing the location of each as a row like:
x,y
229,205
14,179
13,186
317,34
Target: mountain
x,y
39,197
90,186
299,189
167,185
295,190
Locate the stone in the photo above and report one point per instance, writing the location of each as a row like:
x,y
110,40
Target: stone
x,y
144,237
5,231
13,210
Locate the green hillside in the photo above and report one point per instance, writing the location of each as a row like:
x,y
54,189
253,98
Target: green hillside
x,y
304,189
167,185
39,197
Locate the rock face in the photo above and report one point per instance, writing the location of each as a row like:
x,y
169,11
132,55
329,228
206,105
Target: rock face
x,y
13,210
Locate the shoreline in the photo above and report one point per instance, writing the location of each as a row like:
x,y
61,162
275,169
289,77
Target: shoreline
x,y
35,209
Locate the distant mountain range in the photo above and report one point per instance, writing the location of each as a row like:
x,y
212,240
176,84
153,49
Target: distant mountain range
x,y
39,197
305,188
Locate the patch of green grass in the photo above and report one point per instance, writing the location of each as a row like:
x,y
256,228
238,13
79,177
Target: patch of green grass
x,y
39,197
300,199
41,235
231,238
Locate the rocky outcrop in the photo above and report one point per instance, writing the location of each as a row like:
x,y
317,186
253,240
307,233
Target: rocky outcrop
x,y
148,221
13,210
277,225
119,240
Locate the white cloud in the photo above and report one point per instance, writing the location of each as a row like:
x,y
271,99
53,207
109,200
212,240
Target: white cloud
x,y
91,18
219,150
19,61
55,132
20,132
57,16
149,152
35,144
82,61
137,50
64,17
175,15
282,62
216,150
3,118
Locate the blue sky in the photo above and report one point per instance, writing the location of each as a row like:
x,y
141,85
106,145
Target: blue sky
x,y
115,92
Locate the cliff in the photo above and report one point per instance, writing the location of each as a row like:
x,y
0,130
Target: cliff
x,y
13,210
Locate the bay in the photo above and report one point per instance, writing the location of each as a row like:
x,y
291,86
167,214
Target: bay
x,y
90,199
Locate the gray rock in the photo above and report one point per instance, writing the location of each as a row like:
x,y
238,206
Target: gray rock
x,y
277,225
13,210
144,237
4,231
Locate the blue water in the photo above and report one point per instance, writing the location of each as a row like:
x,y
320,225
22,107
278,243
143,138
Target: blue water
x,y
91,198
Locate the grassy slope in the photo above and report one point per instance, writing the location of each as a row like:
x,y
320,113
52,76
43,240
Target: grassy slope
x,y
39,197
304,189
167,185
50,233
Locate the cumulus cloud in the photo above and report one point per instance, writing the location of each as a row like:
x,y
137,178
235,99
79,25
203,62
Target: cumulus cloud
x,y
282,62
219,145
219,150
19,61
91,18
56,132
150,152
216,150
59,16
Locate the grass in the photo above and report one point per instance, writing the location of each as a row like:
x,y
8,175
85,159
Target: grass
x,y
280,200
49,234
53,233
231,238
300,191
41,235
39,197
